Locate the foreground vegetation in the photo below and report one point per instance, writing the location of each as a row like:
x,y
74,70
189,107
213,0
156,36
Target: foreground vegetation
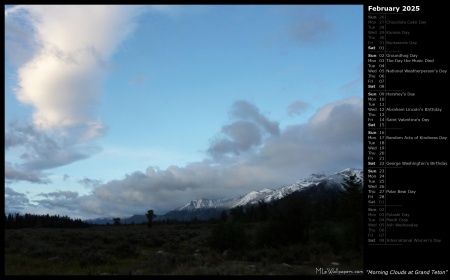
x,y
321,228
178,249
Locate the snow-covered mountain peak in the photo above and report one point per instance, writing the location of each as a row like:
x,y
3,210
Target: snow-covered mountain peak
x,y
268,195
199,203
205,208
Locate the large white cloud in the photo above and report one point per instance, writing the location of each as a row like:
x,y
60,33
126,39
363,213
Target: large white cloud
x,y
62,53
72,44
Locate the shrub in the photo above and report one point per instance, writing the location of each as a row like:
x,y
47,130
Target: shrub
x,y
269,234
228,235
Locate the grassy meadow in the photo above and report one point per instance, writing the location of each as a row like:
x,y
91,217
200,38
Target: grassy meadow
x,y
164,249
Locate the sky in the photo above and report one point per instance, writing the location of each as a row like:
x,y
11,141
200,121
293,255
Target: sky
x,y
114,110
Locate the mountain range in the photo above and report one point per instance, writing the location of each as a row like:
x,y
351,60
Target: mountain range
x,y
205,208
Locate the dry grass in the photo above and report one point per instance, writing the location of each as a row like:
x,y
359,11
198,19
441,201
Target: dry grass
x,y
172,249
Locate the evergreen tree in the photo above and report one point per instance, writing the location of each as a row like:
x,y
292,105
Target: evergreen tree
x,y
150,216
224,215
352,210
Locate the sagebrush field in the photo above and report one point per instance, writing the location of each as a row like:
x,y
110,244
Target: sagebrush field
x,y
172,249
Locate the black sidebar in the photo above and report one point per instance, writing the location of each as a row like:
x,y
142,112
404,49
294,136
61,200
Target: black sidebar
x,y
406,172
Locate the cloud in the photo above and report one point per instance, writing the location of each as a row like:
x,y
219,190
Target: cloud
x,y
54,204
19,40
307,25
13,174
14,201
339,122
42,150
245,133
330,141
68,49
244,110
297,108
311,30
62,52
71,46
61,194
238,137
89,183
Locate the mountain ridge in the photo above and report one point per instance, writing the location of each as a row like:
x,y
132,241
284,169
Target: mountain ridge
x,y
205,208
268,195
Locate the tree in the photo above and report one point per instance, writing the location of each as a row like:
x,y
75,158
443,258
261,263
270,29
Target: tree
x,y
116,221
150,215
352,210
262,210
224,215
352,197
237,213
